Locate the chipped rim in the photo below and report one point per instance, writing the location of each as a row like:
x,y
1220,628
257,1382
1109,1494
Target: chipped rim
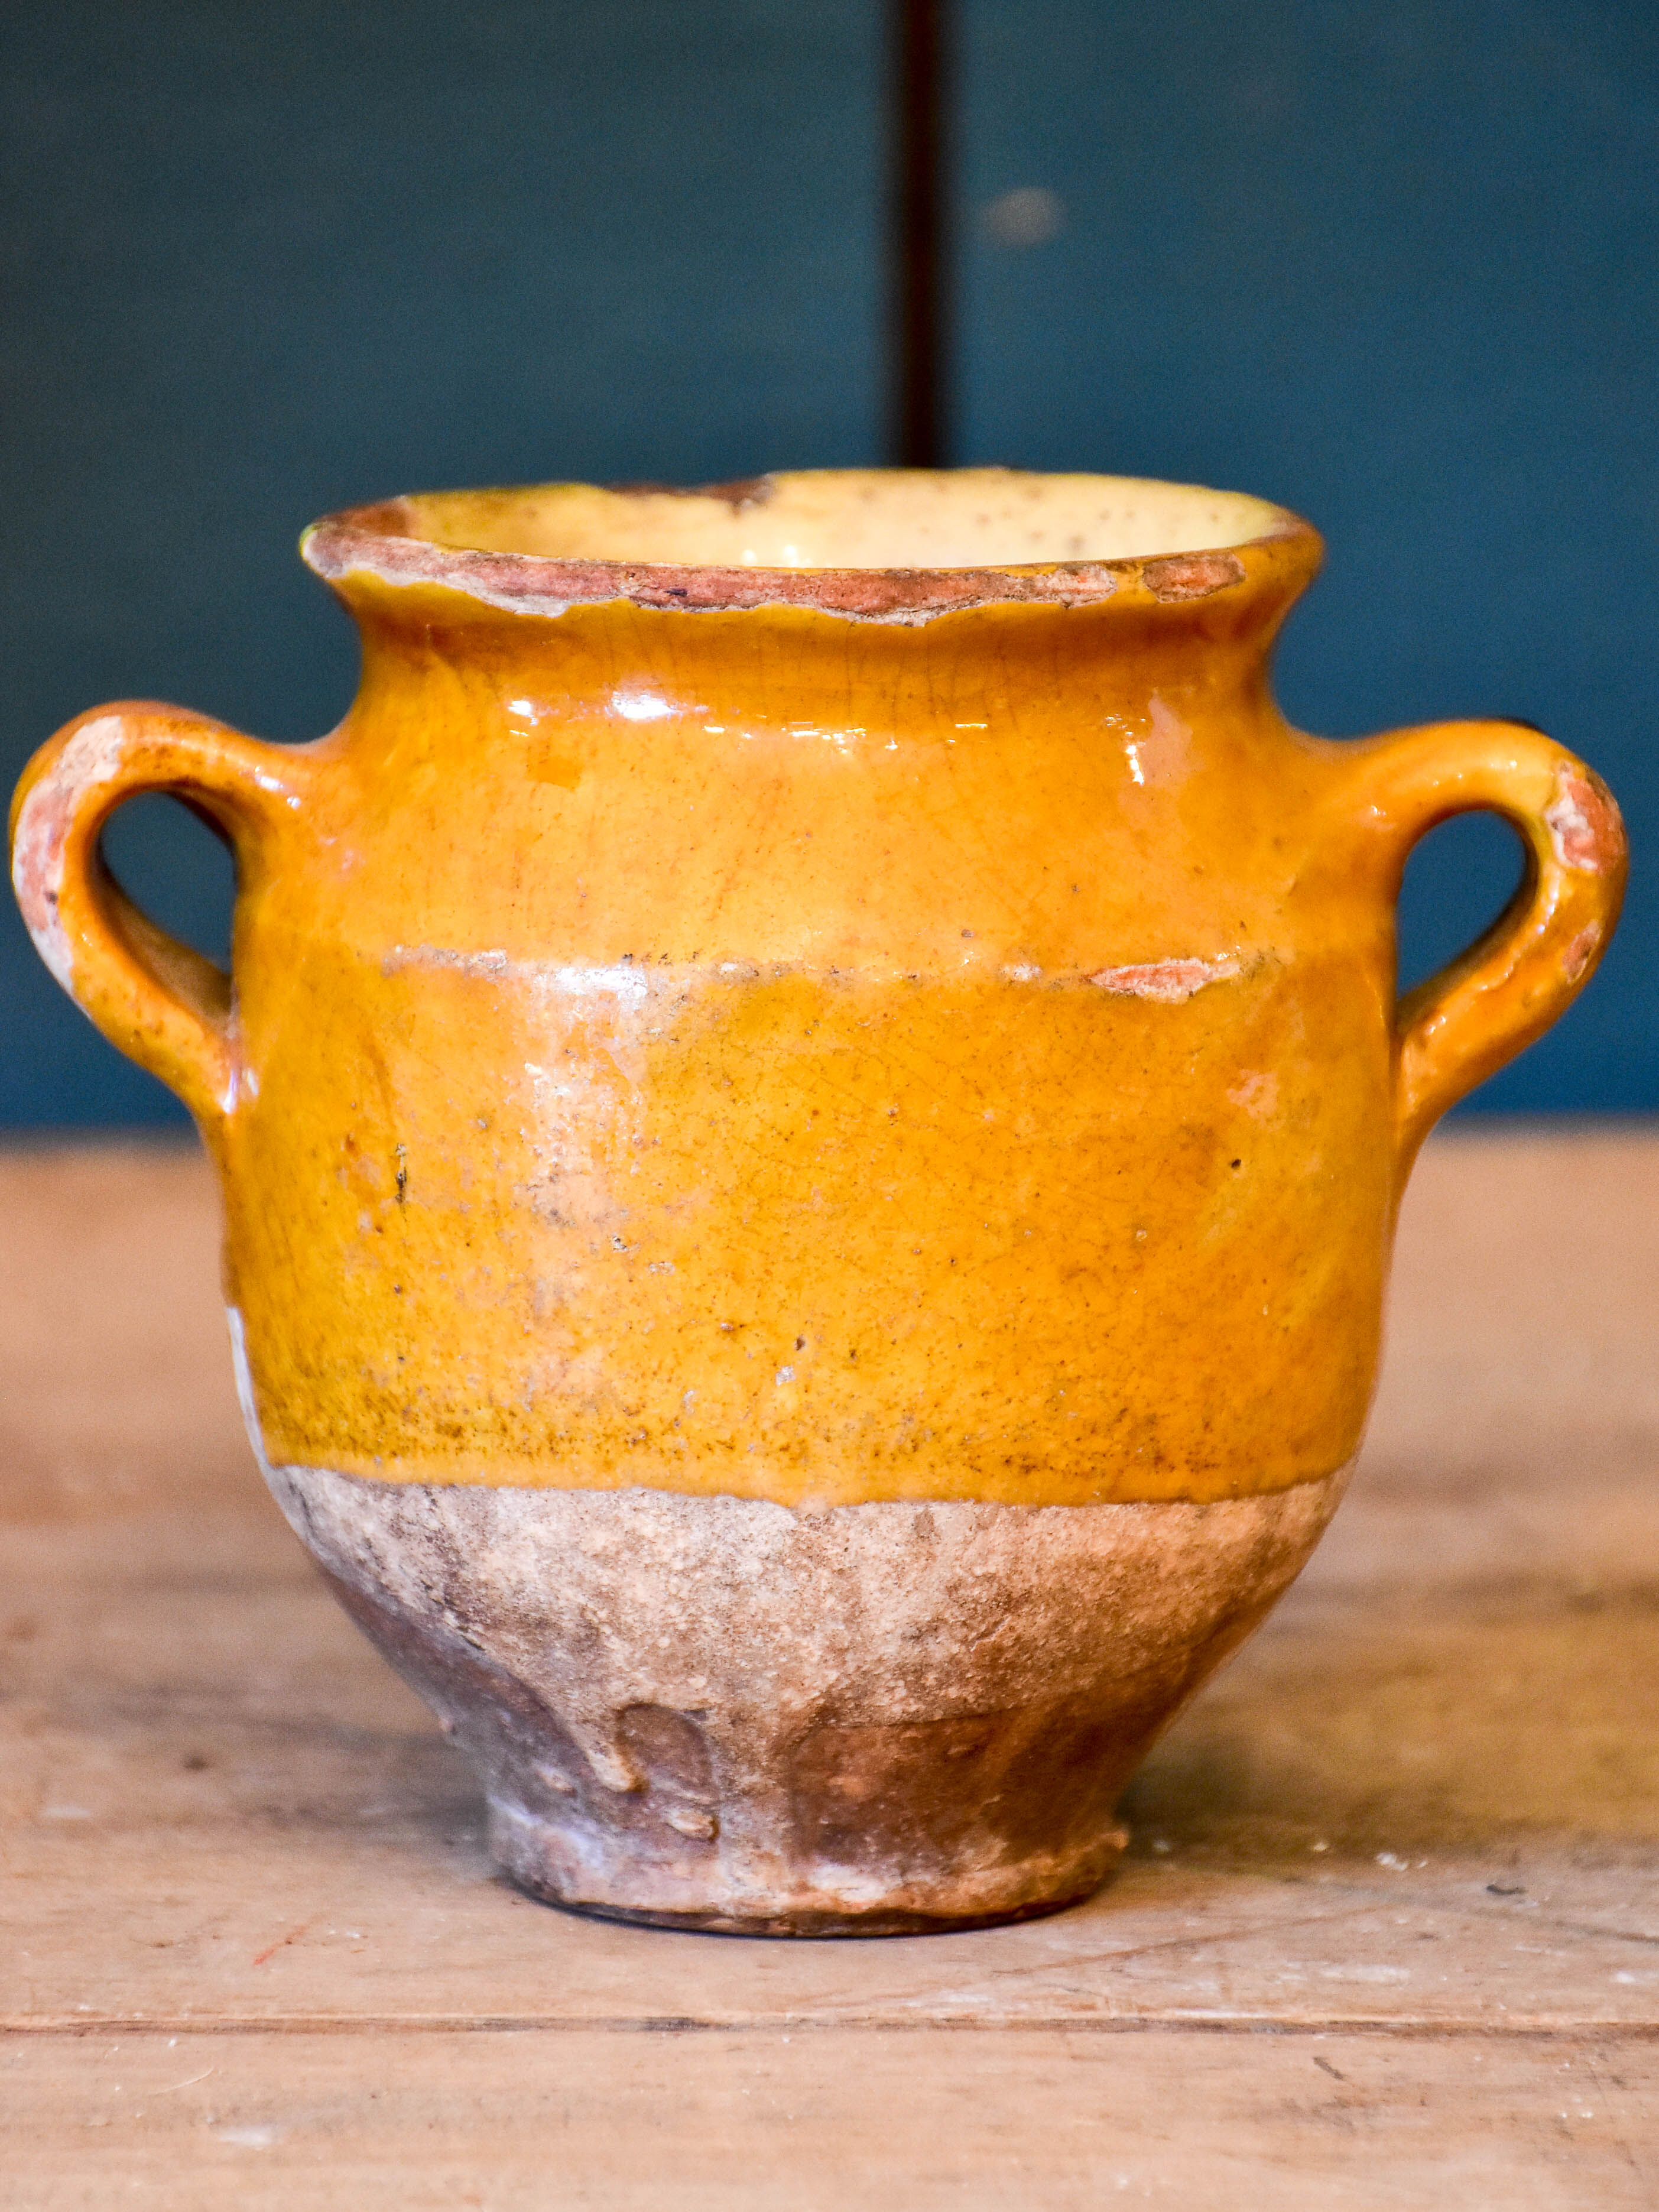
x,y
380,542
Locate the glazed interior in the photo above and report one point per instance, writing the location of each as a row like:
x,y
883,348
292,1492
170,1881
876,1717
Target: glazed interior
x,y
852,518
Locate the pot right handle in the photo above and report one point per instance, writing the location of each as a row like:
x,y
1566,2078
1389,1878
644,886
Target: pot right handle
x,y
1462,1025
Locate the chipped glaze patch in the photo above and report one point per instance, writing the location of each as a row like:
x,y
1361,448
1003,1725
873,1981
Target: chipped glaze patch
x,y
1580,825
1168,982
619,979
93,755
1579,954
523,584
1192,575
1257,1091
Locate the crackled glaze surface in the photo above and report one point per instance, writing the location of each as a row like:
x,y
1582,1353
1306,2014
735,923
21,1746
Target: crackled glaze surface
x,y
817,1033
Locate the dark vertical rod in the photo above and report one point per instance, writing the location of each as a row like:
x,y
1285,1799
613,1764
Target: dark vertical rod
x,y
919,306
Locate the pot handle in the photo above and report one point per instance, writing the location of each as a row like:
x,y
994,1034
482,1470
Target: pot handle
x,y
1462,1025
161,1003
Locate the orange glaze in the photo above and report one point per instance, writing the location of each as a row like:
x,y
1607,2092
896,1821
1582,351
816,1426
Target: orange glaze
x,y
856,1036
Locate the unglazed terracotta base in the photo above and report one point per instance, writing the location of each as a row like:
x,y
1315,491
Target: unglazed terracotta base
x,y
723,1713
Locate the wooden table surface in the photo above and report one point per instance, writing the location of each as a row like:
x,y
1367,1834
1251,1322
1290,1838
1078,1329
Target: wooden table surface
x,y
1387,1933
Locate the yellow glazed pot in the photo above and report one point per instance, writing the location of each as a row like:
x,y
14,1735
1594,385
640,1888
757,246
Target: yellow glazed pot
x,y
811,1108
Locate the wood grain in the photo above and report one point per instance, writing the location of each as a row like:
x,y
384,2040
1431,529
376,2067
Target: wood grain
x,y
1410,1834
745,2120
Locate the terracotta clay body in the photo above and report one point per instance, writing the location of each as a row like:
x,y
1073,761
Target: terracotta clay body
x,y
810,1118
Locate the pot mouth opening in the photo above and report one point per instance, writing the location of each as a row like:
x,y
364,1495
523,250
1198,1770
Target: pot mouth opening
x,y
884,544
850,519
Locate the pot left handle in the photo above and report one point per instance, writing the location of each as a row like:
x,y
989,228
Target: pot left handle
x,y
159,1001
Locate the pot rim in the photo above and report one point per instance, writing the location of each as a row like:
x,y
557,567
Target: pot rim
x,y
385,542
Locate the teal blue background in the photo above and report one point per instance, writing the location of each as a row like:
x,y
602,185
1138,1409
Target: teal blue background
x,y
1394,266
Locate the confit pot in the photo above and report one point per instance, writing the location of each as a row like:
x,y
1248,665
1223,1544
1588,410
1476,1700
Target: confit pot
x,y
811,1108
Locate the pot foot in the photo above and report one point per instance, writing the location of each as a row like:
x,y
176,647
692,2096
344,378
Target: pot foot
x,y
818,1926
